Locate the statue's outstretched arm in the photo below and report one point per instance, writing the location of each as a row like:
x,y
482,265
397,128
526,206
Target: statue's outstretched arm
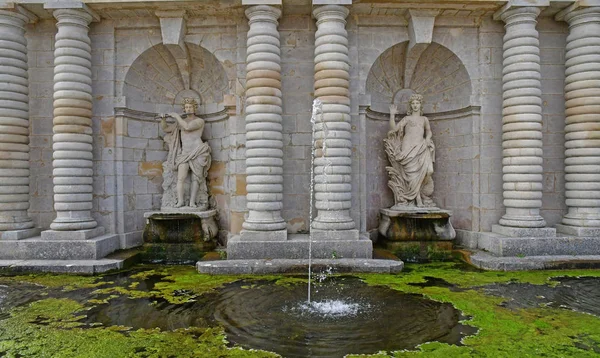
x,y
191,126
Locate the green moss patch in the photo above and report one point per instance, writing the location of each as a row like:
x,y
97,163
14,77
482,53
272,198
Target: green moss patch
x,y
54,327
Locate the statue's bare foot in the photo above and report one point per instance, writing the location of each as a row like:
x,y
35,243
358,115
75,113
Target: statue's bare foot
x,y
192,205
179,204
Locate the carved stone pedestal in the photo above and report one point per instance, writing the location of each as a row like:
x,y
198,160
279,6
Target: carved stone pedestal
x,y
417,234
179,236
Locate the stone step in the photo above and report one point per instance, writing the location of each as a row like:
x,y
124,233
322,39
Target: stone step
x,y
236,267
36,248
486,261
84,267
500,245
296,247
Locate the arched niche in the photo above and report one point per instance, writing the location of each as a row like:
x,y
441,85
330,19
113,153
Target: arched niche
x,y
160,73
434,71
438,74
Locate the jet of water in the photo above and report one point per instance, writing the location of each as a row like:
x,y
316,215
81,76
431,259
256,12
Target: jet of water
x,y
316,110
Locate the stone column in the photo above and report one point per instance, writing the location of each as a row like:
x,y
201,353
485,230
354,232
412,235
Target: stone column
x,y
14,125
582,124
72,140
333,181
264,144
521,125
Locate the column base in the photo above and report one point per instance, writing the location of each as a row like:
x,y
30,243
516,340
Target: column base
x,y
350,235
251,235
523,221
19,234
69,225
297,247
524,231
578,230
72,235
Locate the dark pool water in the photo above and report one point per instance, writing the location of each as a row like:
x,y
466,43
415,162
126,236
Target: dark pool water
x,y
346,316
580,294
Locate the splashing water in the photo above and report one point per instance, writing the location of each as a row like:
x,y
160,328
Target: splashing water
x,y
331,308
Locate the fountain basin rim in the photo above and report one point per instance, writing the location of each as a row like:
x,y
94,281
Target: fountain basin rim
x,y
274,266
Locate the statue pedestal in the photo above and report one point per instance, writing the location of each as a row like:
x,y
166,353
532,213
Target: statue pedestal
x,y
417,234
179,236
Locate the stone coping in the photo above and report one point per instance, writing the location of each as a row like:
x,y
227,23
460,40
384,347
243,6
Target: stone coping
x,y
83,267
487,261
413,211
265,266
175,212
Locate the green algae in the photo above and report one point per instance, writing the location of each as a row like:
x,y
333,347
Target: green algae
x,y
51,328
503,332
65,282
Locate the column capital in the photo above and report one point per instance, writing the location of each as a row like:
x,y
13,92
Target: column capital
x,y
17,11
579,12
263,13
73,9
516,9
330,12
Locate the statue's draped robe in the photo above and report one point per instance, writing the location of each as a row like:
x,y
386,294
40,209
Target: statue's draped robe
x,y
409,167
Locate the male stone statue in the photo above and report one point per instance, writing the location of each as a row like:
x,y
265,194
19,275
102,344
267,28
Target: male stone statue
x,y
411,153
188,154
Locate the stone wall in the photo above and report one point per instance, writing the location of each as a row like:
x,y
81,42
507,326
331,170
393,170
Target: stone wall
x,y
138,76
297,67
40,46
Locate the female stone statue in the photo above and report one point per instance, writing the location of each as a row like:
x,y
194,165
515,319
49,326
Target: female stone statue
x,y
187,153
411,153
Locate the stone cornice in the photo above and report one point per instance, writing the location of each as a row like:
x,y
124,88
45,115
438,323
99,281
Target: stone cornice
x,y
219,115
453,114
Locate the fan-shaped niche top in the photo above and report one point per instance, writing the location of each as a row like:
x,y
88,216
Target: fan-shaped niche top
x,y
436,73
157,76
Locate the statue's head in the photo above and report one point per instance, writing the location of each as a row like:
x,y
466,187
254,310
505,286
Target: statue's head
x,y
415,104
189,105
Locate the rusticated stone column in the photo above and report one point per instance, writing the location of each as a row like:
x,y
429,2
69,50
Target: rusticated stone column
x,y
333,187
582,125
521,125
264,145
72,140
14,127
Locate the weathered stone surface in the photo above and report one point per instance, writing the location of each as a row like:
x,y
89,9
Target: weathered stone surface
x,y
179,236
522,119
538,246
72,125
38,248
14,125
82,267
237,267
264,145
72,235
523,232
297,247
489,262
582,124
332,130
19,234
419,225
